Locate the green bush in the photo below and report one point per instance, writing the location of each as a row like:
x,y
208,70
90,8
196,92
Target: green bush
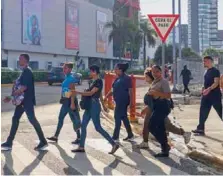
x,y
10,76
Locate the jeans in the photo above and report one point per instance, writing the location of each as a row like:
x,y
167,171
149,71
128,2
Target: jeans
x,y
94,114
186,87
74,116
28,108
121,115
157,123
206,103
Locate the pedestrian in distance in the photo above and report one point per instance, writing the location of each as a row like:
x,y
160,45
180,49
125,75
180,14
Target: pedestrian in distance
x,y
211,95
147,112
160,91
122,92
24,86
69,105
92,107
186,76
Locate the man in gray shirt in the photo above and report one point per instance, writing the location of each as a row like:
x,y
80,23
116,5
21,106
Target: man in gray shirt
x,y
161,93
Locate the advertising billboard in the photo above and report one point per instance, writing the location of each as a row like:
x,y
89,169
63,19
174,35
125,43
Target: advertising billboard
x,y
31,22
101,42
72,25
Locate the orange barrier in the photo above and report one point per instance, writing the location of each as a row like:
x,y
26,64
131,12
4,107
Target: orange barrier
x,y
109,79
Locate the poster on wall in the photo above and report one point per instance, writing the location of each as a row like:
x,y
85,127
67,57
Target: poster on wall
x,y
31,22
101,42
72,25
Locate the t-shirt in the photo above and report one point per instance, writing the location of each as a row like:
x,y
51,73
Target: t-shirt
x,y
186,74
69,79
98,83
161,85
121,88
209,77
26,79
65,92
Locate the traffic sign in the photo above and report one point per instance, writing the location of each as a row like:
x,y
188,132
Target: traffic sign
x,y
163,24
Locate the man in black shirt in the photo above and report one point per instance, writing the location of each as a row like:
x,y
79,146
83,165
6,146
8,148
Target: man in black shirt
x,y
186,75
211,94
26,80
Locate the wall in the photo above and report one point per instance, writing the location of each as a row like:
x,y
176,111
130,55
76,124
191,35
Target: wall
x,y
53,30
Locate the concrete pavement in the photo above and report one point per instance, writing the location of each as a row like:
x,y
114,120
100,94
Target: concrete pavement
x,y
58,159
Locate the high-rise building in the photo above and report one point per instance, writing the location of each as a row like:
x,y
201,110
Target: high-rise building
x,y
203,24
184,36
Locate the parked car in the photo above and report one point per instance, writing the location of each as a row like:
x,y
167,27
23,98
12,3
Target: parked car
x,y
56,75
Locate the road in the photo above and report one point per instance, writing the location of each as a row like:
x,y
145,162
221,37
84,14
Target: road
x,y
58,159
44,95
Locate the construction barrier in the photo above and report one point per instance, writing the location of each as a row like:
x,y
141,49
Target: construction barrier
x,y
109,79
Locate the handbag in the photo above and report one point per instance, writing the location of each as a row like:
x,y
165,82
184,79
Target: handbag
x,y
85,102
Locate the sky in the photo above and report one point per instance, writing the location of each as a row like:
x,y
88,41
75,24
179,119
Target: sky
x,y
165,7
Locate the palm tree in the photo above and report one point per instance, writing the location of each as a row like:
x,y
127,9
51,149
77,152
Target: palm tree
x,y
120,33
149,35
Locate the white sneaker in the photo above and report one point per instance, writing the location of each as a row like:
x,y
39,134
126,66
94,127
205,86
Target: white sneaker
x,y
187,137
143,145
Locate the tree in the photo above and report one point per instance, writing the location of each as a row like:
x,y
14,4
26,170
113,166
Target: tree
x,y
211,52
168,54
188,53
148,35
121,33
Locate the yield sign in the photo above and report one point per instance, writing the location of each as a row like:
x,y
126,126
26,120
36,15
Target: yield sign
x,y
163,24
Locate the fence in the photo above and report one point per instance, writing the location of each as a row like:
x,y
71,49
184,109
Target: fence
x,y
109,79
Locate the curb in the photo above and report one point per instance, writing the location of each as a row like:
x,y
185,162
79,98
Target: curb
x,y
36,83
195,154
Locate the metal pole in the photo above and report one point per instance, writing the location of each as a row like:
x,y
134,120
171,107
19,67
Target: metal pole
x,y
174,53
163,59
180,28
202,38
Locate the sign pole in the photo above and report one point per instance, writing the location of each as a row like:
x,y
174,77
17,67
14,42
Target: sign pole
x,y
163,59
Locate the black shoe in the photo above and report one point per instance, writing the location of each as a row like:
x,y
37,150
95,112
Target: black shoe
x,y
114,149
129,138
6,146
41,146
54,139
199,132
161,155
78,150
77,141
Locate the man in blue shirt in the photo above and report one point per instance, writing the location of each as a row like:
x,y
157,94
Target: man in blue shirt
x,y
27,88
69,105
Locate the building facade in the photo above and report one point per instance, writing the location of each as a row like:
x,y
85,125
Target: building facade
x,y
203,24
184,36
54,31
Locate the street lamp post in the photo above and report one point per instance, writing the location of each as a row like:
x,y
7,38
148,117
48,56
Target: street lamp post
x,y
180,28
202,37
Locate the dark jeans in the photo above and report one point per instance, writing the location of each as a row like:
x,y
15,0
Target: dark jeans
x,y
74,116
121,115
28,108
94,114
186,87
206,103
157,123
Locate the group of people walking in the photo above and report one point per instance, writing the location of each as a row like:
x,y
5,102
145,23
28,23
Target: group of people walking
x,y
157,101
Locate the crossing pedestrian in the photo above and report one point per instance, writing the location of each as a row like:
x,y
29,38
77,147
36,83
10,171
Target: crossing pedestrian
x,y
186,76
160,91
211,94
93,110
122,92
25,86
147,111
69,105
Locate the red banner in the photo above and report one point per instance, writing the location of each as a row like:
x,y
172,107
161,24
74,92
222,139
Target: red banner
x,y
72,25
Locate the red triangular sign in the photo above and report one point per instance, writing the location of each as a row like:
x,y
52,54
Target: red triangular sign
x,y
163,24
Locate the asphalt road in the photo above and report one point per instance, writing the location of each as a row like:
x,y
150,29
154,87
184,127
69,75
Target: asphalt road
x,y
44,95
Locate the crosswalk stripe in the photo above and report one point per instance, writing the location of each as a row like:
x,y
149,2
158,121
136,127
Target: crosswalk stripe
x,y
144,163
21,161
82,162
